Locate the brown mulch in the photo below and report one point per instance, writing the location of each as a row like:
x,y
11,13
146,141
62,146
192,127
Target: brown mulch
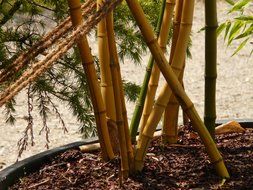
x,y
182,166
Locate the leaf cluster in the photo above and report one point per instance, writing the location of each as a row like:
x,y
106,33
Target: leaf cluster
x,y
240,27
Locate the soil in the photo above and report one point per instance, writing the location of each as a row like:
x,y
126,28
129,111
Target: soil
x,y
181,166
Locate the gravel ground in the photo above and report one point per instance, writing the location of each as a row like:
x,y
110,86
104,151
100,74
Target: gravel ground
x,y
234,93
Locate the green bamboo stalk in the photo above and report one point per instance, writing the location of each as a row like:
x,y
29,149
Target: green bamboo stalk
x,y
134,125
210,65
178,90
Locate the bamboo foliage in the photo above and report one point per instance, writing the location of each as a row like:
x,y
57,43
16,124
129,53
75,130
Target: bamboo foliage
x,y
153,83
169,130
90,71
210,64
106,78
143,93
176,87
126,151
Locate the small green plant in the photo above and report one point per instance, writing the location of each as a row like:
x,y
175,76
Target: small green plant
x,y
240,26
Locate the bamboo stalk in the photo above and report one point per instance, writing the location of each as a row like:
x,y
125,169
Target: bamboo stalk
x,y
170,121
106,79
210,65
153,83
90,71
176,87
178,60
126,151
143,93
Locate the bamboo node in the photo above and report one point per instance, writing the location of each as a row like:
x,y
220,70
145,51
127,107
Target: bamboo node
x,y
176,68
73,8
212,26
160,105
153,84
88,63
148,69
105,85
176,23
189,107
186,23
217,161
100,112
211,76
151,41
169,2
147,136
101,35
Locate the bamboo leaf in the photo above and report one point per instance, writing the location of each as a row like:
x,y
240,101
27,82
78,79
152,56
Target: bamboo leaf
x,y
234,31
239,5
248,32
231,2
228,26
220,28
245,18
241,46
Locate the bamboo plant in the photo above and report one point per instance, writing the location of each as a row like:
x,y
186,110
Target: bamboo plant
x,y
210,65
90,71
176,87
153,83
170,121
126,151
143,93
177,65
106,78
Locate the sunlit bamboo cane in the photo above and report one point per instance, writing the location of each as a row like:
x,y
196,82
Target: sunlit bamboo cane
x,y
176,87
170,121
135,121
123,135
90,71
153,83
106,78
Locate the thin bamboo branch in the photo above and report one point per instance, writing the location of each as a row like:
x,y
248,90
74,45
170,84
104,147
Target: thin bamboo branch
x,y
176,87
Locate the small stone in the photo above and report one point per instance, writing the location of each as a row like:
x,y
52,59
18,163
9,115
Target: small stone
x,y
230,127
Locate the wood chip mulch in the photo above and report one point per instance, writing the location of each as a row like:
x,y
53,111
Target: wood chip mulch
x,y
182,166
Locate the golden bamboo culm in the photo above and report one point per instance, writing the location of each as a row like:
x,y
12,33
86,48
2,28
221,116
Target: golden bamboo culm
x,y
106,79
165,94
176,87
126,152
169,130
90,71
154,79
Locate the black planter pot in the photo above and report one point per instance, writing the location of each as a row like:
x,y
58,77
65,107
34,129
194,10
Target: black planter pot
x,y
11,174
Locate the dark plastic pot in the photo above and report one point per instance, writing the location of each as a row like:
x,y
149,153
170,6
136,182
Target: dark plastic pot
x,y
11,174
